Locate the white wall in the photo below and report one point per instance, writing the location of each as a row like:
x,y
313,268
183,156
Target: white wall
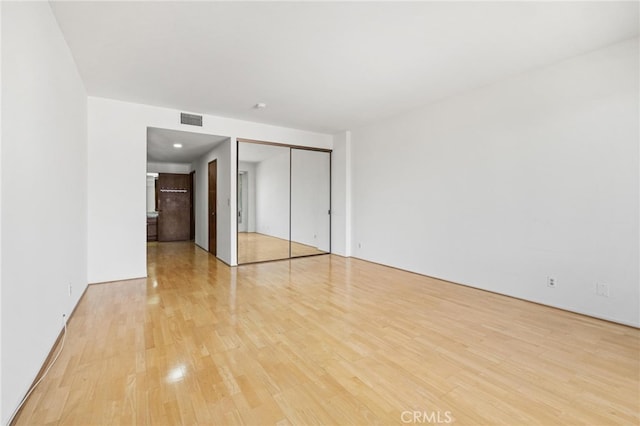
x,y
118,135
272,195
341,194
499,188
2,416
222,154
250,207
117,238
44,191
179,168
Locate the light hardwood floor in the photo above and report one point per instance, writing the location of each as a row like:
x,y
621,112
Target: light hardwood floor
x,y
255,247
328,340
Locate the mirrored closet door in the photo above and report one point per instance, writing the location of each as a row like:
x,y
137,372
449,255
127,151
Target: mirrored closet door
x,y
310,202
263,202
284,202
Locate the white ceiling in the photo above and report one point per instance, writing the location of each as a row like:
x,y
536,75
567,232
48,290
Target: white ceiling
x,y
325,66
160,145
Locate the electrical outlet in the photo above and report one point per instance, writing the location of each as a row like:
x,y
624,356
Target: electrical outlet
x,y
602,290
552,282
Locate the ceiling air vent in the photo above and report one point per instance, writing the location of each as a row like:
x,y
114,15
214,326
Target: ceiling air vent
x,y
191,119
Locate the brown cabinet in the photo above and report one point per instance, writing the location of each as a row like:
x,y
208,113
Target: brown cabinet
x,y
152,229
174,204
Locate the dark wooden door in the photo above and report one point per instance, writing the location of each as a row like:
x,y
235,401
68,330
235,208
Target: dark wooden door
x,y
174,199
213,192
192,193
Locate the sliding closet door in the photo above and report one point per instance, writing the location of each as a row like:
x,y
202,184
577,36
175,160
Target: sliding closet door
x,y
263,202
310,202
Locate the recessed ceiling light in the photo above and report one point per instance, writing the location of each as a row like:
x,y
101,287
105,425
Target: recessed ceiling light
x,y
260,105
177,145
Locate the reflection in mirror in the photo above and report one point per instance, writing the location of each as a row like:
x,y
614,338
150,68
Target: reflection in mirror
x,y
310,202
263,202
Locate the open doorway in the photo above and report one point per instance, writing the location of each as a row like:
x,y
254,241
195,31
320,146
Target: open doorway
x,y
177,186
